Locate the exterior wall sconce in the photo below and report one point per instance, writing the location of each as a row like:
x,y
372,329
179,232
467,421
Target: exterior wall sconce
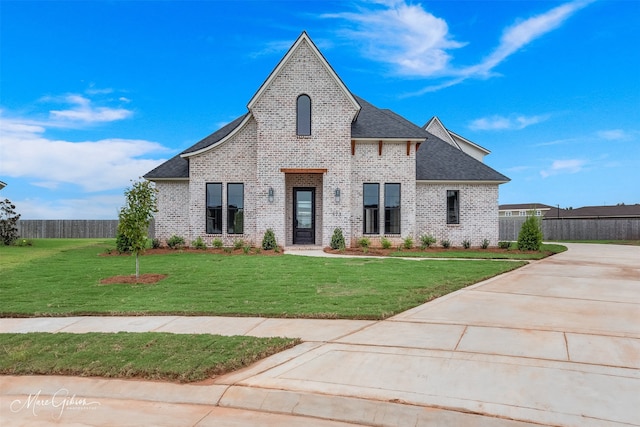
x,y
337,195
270,195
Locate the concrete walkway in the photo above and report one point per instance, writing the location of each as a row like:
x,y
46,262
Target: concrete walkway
x,y
554,343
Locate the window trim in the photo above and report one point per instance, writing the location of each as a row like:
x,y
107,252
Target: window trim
x,y
376,210
453,220
397,209
221,208
229,209
306,118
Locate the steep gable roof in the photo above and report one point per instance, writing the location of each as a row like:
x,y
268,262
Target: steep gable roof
x,y
304,38
437,160
436,127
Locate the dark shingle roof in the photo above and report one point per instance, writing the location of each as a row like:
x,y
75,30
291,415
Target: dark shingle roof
x,y
373,122
175,167
618,211
523,206
216,136
437,160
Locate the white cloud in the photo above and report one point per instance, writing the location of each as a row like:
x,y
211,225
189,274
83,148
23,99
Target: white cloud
x,y
83,111
514,122
564,166
92,165
91,207
613,135
407,36
417,43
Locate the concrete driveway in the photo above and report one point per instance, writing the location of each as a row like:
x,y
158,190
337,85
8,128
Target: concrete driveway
x,y
554,343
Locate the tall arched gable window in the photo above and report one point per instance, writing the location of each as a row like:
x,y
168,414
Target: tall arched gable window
x,y
303,115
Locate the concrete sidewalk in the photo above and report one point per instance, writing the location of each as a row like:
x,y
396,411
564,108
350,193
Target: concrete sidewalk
x,y
554,343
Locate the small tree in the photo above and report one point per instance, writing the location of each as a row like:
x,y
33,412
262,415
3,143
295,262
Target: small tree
x,y
269,240
8,222
337,240
136,215
530,236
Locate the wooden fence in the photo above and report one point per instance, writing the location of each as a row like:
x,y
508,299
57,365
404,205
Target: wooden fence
x,y
576,229
71,228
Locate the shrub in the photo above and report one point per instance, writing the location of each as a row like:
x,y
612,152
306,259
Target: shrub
x,y
530,236
269,240
198,244
227,250
407,242
426,240
8,222
155,243
175,242
246,249
485,244
504,245
337,240
445,243
217,243
466,244
385,243
123,244
23,242
238,244
364,242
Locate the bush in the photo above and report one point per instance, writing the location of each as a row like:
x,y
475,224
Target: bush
x,y
23,242
337,240
504,245
175,242
269,240
445,243
246,249
466,244
485,244
407,242
364,242
198,244
426,240
530,236
385,243
123,244
155,243
217,243
238,244
8,222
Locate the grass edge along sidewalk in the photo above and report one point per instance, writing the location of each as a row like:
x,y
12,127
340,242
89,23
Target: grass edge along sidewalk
x,y
67,283
144,355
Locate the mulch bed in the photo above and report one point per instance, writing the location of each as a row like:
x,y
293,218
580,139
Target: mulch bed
x,y
147,279
221,251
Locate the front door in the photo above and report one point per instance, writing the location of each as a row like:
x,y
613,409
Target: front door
x,y
304,212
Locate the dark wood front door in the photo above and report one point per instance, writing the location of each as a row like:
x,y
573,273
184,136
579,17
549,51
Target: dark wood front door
x,y
304,213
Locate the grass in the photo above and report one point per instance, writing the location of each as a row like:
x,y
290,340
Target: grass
x,y
546,250
66,282
153,356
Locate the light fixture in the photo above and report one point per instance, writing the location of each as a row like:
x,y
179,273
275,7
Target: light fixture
x,y
270,195
337,195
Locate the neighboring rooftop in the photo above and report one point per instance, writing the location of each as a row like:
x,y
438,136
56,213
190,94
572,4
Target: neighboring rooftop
x,y
524,207
617,211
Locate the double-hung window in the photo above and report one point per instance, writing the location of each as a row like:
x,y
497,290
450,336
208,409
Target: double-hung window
x,y
371,200
235,208
214,208
453,207
392,208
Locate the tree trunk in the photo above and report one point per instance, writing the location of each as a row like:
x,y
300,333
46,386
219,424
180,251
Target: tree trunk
x,y
137,268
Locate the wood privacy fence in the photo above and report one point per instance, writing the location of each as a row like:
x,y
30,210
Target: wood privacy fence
x,y
70,228
576,229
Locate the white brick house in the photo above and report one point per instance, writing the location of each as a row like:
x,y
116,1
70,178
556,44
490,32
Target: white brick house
x,y
309,157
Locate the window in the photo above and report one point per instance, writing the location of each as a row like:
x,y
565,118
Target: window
x,y
392,208
453,207
235,208
214,208
303,114
523,213
538,213
370,202
508,213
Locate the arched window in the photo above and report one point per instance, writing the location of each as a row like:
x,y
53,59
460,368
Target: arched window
x,y
303,114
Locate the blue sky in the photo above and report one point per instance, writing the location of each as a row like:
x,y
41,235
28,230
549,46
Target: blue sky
x,y
94,94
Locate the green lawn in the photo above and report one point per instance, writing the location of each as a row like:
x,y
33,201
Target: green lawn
x,y
156,356
44,281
